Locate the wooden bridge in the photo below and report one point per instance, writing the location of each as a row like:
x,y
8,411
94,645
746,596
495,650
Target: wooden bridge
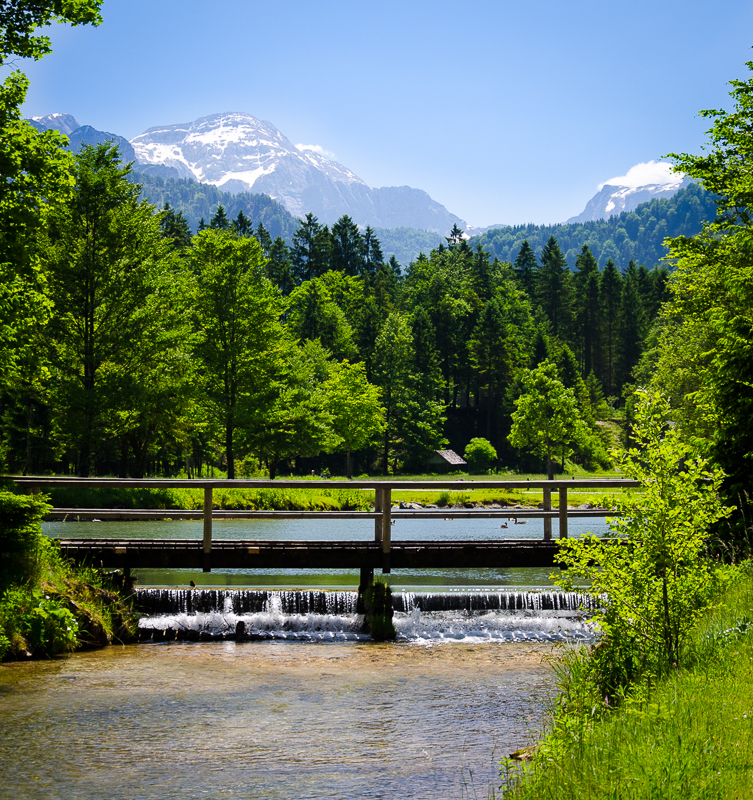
x,y
380,553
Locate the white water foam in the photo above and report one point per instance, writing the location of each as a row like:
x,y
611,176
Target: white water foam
x,y
415,626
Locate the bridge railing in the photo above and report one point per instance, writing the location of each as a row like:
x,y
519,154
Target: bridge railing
x,y
382,515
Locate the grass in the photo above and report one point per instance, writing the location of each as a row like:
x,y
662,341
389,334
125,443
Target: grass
x,y
340,497
689,737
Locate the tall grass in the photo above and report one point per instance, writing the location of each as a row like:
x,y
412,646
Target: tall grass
x,y
689,736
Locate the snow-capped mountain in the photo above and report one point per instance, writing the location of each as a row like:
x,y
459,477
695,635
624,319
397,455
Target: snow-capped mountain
x,y
239,153
641,183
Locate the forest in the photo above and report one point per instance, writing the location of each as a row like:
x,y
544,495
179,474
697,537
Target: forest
x,y
154,349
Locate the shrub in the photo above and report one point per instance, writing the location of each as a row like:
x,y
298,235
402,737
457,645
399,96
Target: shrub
x,y
480,455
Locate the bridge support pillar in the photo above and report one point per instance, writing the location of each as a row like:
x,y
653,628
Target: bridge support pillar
x,y
547,507
366,579
563,512
207,529
386,529
378,509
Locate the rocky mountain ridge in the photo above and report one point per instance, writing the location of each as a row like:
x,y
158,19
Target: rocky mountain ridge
x,y
239,153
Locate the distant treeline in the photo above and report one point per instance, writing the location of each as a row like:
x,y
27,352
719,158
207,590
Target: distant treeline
x,y
631,236
197,201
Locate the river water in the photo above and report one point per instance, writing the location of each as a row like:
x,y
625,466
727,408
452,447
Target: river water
x,y
270,720
315,710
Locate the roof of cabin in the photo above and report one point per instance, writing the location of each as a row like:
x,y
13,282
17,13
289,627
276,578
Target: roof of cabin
x,y
450,456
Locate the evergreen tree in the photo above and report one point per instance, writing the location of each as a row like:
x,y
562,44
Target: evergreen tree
x,y
279,268
553,285
526,267
310,254
348,248
611,293
219,221
587,286
631,324
241,225
175,228
373,257
264,238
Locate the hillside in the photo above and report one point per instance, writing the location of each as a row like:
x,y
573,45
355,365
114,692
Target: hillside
x,y
635,235
197,200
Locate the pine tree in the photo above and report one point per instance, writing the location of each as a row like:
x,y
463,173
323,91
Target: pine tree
x,y
525,267
310,254
348,249
278,267
553,286
611,293
242,225
587,286
220,221
373,257
264,238
175,227
631,324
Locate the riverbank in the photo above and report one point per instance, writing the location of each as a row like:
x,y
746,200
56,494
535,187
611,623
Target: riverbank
x,y
690,736
337,497
47,605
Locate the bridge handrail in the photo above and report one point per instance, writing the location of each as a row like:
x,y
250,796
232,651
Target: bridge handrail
x,y
42,481
383,512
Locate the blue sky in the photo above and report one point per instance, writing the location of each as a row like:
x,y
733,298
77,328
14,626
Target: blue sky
x,y
505,112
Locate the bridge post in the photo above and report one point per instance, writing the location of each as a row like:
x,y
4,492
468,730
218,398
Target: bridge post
x,y
386,529
563,512
207,566
378,520
365,581
547,507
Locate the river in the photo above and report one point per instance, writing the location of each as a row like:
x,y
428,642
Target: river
x,y
313,711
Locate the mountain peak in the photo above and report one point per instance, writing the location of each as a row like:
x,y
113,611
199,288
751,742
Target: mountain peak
x,y
237,152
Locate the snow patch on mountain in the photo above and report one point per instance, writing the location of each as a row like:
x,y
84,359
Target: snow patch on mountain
x,y
641,183
237,152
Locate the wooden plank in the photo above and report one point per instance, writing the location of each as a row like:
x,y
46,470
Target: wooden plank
x,y
259,483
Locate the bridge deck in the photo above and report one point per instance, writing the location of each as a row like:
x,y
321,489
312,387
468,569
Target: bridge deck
x,y
249,553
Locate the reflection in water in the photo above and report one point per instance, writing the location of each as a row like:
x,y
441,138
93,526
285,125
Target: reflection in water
x,y
269,720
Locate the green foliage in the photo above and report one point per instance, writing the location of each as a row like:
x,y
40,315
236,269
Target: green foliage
x,y
687,738
546,418
38,622
480,455
20,536
631,236
236,311
654,575
200,200
378,603
704,348
357,416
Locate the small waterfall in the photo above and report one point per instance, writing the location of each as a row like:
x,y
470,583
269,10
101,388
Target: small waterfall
x,y
421,617
492,601
243,601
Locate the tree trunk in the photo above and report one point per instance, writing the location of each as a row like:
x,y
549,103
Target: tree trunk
x,y
348,464
272,466
229,454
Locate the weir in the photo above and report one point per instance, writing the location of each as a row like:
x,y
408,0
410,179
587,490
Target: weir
x,y
249,615
250,601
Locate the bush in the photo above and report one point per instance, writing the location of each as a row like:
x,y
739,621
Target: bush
x,y
480,455
20,537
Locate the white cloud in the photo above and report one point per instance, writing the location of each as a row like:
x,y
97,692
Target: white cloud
x,y
650,172
315,148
